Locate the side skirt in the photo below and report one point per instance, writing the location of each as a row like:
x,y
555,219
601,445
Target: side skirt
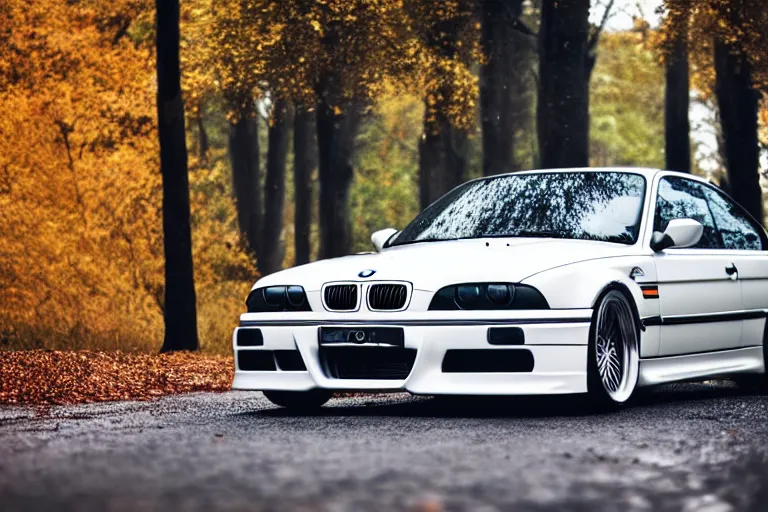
x,y
722,363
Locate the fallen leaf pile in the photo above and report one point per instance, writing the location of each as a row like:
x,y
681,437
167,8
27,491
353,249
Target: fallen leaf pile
x,y
68,377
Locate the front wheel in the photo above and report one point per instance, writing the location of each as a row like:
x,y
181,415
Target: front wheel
x,y
299,400
613,362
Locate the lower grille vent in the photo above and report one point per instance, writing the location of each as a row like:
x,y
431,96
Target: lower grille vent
x,y
270,361
387,296
341,297
367,362
488,361
256,360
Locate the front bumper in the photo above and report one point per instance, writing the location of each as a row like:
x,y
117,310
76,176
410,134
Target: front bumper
x,y
557,340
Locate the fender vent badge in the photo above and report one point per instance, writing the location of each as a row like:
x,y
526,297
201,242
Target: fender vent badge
x,y
636,272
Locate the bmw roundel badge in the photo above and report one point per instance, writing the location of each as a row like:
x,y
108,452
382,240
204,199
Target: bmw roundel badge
x,y
366,273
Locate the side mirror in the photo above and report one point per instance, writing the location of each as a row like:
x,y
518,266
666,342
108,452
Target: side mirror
x,y
680,233
379,238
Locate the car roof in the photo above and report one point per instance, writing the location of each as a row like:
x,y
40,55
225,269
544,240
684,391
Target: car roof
x,y
647,172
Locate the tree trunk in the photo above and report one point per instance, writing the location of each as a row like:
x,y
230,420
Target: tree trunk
x,y
180,309
336,132
246,180
499,84
738,100
271,249
677,101
442,159
304,161
563,105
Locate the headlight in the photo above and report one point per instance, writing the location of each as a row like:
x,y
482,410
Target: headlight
x,y
487,296
468,294
277,298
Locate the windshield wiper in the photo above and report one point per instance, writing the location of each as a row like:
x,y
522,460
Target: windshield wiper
x,y
537,234
424,240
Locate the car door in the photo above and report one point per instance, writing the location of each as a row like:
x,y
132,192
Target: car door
x,y
746,242
699,294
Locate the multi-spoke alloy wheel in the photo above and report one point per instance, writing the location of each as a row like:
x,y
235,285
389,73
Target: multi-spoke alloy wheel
x,y
614,359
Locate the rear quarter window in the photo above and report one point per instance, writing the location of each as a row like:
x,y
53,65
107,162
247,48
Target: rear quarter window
x,y
736,228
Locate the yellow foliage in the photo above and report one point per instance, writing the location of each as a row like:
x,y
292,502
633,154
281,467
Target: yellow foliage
x,y
703,20
763,135
743,24
444,73
242,49
80,223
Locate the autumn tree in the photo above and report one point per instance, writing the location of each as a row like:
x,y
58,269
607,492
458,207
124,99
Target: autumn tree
x,y
361,44
304,162
198,79
81,229
271,248
327,57
568,46
235,71
728,44
80,237
448,37
677,92
738,98
246,37
563,103
180,309
246,174
507,45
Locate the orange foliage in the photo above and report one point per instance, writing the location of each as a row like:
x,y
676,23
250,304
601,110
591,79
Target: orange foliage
x,y
703,20
80,222
449,46
242,49
287,47
53,377
764,126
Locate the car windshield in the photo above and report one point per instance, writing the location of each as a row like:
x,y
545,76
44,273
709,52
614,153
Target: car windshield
x,y
605,206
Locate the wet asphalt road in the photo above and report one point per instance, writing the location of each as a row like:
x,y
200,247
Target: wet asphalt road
x,y
695,447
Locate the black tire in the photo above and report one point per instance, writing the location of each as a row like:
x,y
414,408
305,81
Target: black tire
x,y
613,360
299,400
757,383
753,384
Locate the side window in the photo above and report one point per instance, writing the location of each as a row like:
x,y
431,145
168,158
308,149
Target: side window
x,y
679,198
736,228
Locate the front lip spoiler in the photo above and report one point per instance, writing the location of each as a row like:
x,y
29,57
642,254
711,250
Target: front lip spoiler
x,y
489,321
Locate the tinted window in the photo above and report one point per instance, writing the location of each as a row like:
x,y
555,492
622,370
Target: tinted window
x,y
679,198
736,229
584,205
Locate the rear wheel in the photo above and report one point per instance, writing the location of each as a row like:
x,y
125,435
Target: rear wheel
x,y
613,361
757,383
299,400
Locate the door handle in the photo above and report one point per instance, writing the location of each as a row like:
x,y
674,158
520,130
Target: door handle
x,y
732,271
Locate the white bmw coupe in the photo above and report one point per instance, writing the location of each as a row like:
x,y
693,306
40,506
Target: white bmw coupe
x,y
544,282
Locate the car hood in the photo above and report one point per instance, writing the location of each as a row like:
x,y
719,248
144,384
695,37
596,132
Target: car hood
x,y
432,265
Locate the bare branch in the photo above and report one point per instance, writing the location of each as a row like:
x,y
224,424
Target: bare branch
x,y
521,27
595,39
639,7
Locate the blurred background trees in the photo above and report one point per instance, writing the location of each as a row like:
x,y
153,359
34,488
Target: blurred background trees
x,y
311,123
